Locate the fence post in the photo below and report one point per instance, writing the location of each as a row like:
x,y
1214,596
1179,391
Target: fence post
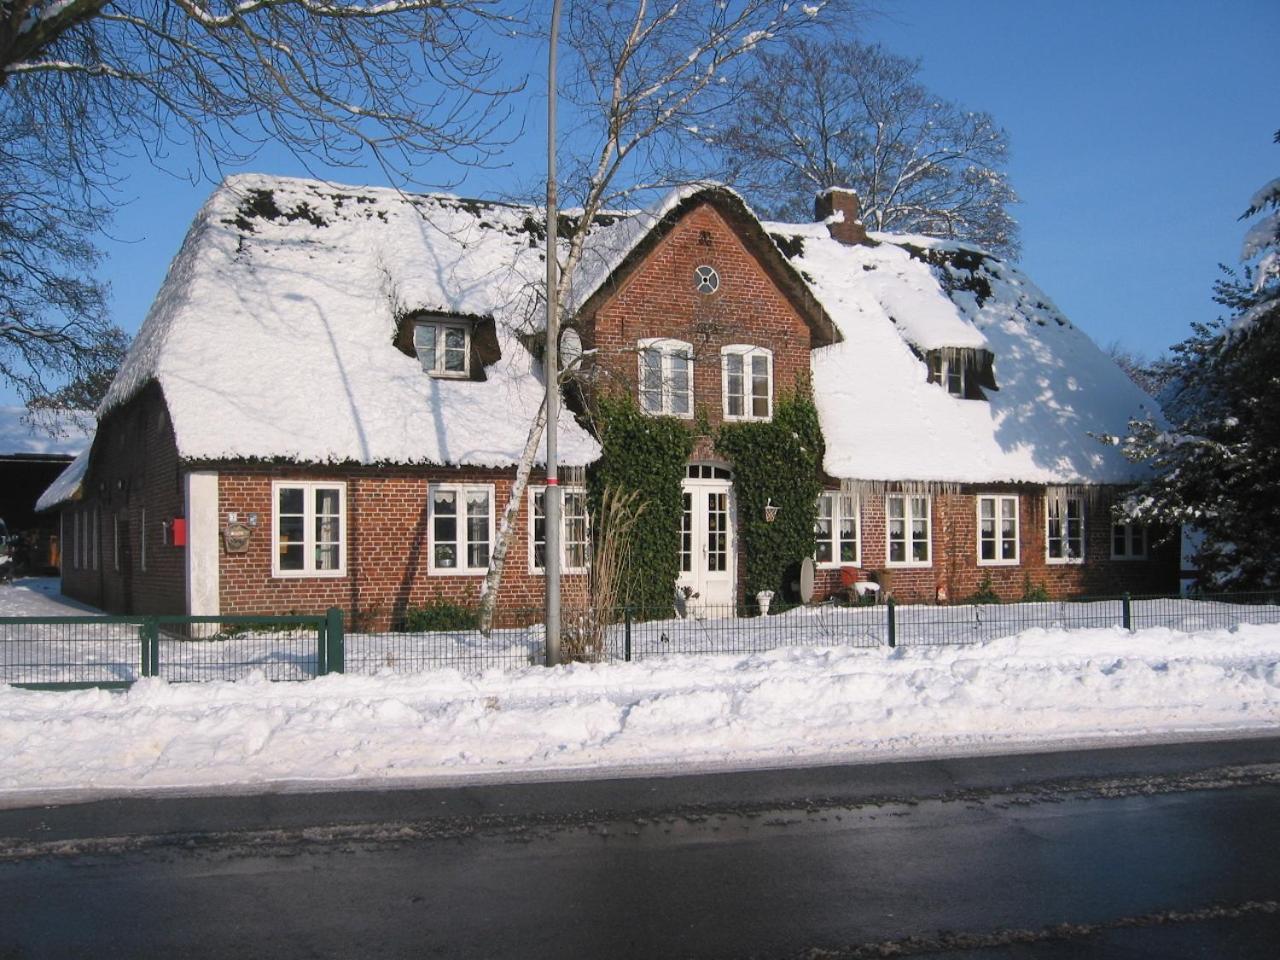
x,y
627,634
336,654
1128,613
322,647
890,607
149,634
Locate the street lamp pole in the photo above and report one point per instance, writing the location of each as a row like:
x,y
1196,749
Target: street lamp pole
x,y
551,499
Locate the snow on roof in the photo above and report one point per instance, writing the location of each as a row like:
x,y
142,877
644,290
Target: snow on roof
x,y
18,436
67,485
272,338
272,335
883,420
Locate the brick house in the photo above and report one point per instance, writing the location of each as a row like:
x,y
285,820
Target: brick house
x,y
327,402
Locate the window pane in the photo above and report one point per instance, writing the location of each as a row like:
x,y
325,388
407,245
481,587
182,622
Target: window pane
x,y
477,528
291,529
327,557
444,527
679,382
291,500
424,345
686,535
987,507
759,386
651,380
539,530
734,388
327,502
455,350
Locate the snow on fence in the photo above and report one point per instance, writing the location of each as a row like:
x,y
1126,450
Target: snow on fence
x,y
114,651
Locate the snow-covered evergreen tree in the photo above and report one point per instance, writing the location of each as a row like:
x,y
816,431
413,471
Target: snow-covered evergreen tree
x,y
1218,467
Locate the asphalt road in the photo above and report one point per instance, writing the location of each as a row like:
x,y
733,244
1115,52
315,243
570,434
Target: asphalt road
x,y
1166,852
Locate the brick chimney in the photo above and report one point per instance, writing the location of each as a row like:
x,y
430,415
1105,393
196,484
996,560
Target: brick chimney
x,y
842,200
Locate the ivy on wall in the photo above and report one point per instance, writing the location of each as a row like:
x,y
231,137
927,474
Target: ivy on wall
x,y
775,462
647,454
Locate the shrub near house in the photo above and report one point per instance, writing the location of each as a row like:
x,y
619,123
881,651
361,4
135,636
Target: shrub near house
x,y
328,409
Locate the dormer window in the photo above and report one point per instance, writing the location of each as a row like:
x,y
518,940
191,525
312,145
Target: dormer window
x,y
964,372
443,349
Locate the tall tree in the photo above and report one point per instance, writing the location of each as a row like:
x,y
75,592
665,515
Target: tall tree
x,y
1218,468
82,81
840,113
642,75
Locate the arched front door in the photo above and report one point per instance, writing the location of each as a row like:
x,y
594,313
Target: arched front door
x,y
707,556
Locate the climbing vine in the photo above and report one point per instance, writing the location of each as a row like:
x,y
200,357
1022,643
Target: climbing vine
x,y
646,454
775,462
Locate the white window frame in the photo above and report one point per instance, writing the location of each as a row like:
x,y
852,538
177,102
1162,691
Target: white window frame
x,y
1064,530
439,327
945,370
747,352
1132,532
669,352
460,536
534,492
840,502
909,518
998,501
309,487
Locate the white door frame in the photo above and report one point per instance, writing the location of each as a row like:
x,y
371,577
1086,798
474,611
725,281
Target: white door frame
x,y
716,589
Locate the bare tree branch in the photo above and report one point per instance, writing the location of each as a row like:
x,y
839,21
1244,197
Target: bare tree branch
x,y
843,113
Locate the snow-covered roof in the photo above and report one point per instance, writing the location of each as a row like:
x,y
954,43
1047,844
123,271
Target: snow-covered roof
x,y
67,484
272,335
906,295
18,436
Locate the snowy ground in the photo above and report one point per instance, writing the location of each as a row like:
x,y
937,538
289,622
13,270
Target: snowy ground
x,y
677,713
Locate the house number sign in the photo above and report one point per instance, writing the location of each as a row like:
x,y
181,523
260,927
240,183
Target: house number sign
x,y
236,537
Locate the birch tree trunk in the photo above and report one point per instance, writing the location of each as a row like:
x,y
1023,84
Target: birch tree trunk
x,y
497,561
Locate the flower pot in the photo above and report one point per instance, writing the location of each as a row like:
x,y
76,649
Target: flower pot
x,y
764,598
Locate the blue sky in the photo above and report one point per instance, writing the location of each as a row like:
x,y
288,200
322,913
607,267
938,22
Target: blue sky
x,y
1138,129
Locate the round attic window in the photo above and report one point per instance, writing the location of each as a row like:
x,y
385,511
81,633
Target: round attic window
x,y
706,280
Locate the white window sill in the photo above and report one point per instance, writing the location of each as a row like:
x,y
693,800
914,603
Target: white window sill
x,y
457,571
908,564
308,574
999,563
730,418
1064,561
451,375
574,571
664,413
837,564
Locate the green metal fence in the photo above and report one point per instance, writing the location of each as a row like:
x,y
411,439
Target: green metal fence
x,y
63,652
115,651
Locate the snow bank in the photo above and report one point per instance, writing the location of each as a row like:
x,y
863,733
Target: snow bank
x,y
679,714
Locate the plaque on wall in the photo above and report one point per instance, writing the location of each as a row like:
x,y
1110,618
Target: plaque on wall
x,y
236,537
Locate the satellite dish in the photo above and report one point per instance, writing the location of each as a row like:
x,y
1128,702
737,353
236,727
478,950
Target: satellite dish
x,y
806,580
570,348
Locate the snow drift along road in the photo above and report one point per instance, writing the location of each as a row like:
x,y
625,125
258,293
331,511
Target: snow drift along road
x,y
681,713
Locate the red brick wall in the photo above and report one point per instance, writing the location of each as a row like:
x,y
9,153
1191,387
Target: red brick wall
x,y
388,547
658,299
956,571
134,468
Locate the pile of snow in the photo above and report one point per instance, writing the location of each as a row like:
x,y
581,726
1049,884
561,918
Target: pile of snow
x,y
883,420
787,706
272,335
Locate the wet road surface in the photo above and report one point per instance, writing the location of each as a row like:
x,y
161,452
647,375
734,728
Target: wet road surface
x,y
1153,852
